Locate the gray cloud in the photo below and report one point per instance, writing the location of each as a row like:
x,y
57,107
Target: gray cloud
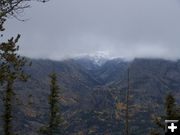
x,y
120,28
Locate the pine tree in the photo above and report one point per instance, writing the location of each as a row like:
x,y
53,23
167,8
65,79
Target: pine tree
x,y
55,119
171,108
11,64
11,68
172,112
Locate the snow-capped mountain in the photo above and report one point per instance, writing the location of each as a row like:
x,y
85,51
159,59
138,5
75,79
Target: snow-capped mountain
x,y
97,59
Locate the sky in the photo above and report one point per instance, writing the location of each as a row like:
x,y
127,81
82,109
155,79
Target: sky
x,y
116,28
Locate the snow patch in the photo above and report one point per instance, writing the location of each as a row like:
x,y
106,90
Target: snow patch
x,y
98,58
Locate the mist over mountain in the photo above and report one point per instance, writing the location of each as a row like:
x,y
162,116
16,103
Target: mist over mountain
x,y
93,94
99,67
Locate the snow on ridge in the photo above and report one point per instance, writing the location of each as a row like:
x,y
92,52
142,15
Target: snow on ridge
x,y
98,58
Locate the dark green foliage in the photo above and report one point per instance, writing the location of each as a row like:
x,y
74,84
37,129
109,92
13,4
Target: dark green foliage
x,y
171,108
172,112
11,64
11,70
55,119
8,109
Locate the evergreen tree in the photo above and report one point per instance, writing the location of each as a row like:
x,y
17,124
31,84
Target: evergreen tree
x,y
11,68
172,112
11,64
55,119
171,108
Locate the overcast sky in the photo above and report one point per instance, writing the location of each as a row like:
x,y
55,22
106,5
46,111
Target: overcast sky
x,y
117,28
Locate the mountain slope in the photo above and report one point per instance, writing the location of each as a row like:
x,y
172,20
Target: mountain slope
x,y
93,96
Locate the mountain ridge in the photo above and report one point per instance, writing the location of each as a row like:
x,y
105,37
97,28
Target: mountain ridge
x,y
93,97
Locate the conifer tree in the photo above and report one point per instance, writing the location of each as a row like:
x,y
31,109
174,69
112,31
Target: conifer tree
x,y
11,64
172,112
171,108
55,119
11,68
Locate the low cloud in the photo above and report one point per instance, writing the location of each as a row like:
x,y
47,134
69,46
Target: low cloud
x,y
128,29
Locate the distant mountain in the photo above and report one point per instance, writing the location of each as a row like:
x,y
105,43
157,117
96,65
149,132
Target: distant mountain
x,y
97,59
93,94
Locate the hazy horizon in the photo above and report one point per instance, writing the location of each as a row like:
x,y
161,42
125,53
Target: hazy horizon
x,y
127,29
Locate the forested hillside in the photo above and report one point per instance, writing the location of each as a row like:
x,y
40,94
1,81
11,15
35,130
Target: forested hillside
x,y
93,97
